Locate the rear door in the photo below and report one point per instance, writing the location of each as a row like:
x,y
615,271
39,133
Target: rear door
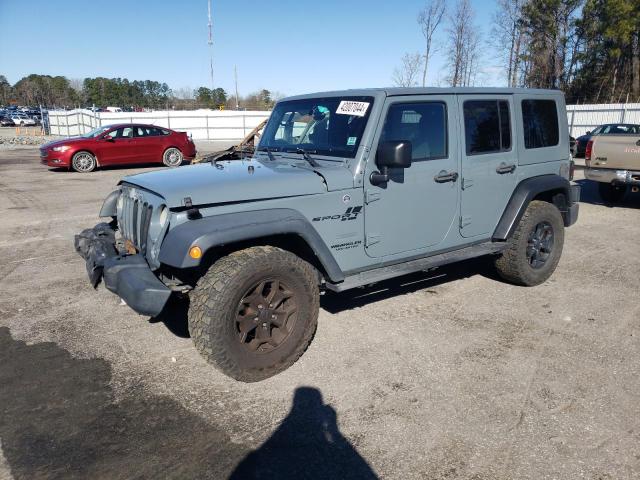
x,y
413,212
489,161
147,147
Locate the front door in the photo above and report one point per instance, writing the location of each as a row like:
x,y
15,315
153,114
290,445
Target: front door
x,y
489,162
413,212
119,148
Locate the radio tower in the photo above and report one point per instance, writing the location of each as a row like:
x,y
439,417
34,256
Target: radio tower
x,y
210,42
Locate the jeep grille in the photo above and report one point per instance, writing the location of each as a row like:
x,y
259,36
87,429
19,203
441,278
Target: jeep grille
x,y
134,222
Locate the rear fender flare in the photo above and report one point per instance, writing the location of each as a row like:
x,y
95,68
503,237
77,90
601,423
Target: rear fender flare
x,y
219,230
523,194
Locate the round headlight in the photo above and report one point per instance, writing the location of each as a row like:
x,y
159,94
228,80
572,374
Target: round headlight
x,y
164,215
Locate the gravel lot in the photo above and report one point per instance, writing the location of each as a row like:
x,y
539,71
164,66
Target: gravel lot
x,y
451,375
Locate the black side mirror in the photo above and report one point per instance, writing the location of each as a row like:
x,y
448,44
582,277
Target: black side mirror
x,y
588,132
394,154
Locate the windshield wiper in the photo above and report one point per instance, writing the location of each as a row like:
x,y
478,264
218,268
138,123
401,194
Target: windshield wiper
x,y
305,155
269,152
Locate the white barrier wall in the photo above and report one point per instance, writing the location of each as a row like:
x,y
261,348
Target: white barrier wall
x,y
586,117
200,124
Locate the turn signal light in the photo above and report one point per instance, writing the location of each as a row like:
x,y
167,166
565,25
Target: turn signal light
x,y
195,252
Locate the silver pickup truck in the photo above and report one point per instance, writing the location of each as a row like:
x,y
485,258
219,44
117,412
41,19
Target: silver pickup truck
x,y
614,162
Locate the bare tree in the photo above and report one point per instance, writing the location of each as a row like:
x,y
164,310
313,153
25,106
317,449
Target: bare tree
x,y
429,18
506,36
184,93
407,74
463,46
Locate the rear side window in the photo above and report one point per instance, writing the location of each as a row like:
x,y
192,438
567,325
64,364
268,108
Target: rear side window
x,y
540,123
423,124
487,126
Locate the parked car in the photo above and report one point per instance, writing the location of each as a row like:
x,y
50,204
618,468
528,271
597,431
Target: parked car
x,y
22,120
122,144
606,129
613,160
345,189
6,122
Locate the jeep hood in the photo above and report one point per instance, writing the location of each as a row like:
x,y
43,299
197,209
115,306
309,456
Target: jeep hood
x,y
236,181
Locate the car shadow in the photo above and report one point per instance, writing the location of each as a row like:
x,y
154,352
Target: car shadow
x,y
421,281
589,194
307,445
120,167
175,314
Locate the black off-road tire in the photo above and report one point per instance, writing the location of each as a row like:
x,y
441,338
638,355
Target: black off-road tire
x,y
216,299
513,265
610,193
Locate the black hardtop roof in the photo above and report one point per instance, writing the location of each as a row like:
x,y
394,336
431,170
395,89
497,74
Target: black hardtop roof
x,y
402,91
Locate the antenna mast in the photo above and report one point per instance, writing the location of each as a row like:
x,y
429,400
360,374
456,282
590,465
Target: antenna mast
x,y
210,42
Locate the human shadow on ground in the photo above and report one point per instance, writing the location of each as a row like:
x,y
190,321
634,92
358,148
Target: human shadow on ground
x,y
60,419
306,445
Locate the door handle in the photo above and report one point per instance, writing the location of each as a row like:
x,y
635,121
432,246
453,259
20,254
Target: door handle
x,y
504,168
445,176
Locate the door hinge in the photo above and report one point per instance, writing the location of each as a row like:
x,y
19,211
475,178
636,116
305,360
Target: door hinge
x,y
371,196
371,240
464,221
466,183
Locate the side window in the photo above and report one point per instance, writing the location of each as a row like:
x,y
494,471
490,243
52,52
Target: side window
x,y
127,132
141,132
487,126
540,123
117,133
423,124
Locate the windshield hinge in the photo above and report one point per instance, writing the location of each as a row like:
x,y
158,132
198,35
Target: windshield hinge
x,y
370,196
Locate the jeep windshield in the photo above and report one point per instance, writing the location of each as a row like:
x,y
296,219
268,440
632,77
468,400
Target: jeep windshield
x,y
331,126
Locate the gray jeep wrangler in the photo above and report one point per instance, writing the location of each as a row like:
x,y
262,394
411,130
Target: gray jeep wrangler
x,y
344,190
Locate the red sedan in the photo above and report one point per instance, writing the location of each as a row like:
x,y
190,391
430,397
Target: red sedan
x,y
122,144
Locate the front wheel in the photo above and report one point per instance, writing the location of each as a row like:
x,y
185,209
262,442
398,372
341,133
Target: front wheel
x,y
83,162
611,193
534,249
254,313
172,157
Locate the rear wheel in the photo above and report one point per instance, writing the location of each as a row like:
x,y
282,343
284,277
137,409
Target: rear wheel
x,y
611,193
83,162
172,157
534,249
254,313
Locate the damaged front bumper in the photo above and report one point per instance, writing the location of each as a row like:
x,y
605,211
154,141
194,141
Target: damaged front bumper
x,y
128,276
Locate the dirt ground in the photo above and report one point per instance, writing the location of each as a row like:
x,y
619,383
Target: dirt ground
x,y
448,375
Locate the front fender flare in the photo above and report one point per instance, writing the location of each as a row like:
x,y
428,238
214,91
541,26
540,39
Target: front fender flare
x,y
228,228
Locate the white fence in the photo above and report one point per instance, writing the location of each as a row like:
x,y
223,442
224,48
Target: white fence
x,y
200,124
586,117
234,125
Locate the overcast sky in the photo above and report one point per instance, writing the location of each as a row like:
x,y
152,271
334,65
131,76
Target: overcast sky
x,y
286,46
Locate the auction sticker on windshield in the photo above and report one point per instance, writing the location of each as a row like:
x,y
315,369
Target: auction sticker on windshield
x,y
347,107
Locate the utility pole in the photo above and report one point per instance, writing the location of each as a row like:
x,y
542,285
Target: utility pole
x,y
210,42
235,74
